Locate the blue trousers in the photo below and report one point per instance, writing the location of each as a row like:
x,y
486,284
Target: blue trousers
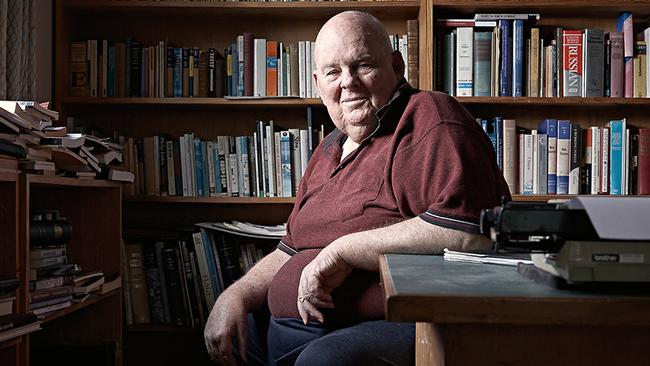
x,y
287,341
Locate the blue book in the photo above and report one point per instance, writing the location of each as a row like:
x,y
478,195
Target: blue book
x,y
518,58
285,163
110,87
505,82
616,156
178,72
549,127
198,167
482,68
488,127
563,155
497,122
212,265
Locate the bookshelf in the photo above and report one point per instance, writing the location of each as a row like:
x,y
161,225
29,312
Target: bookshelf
x,y
530,111
93,208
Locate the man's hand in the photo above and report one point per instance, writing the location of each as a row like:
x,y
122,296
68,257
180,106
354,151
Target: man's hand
x,y
226,321
318,279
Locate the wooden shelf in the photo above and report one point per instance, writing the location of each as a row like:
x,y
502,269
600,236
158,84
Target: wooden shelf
x,y
211,200
48,180
161,328
195,102
554,101
560,8
8,177
541,197
304,10
76,307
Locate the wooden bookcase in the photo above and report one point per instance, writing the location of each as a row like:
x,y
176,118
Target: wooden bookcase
x,y
93,208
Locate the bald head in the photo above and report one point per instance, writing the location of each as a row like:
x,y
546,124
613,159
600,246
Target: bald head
x,y
354,27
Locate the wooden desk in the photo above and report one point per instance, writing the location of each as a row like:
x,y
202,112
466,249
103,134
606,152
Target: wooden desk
x,y
476,314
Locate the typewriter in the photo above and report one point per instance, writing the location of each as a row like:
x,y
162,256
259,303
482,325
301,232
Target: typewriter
x,y
586,239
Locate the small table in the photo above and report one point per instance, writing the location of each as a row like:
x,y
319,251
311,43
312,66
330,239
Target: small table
x,y
483,314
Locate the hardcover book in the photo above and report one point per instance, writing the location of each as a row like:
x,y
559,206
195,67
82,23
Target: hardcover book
x,y
616,65
572,63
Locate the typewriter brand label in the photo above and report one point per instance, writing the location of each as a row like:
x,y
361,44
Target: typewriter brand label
x,y
606,258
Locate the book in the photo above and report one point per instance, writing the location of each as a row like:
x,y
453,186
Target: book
x,y
572,63
575,160
644,161
594,63
616,65
563,156
137,284
549,128
464,61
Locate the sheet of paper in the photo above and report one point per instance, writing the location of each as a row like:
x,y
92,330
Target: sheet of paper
x,y
617,218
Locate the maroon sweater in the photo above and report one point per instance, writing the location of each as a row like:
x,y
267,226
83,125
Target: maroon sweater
x,y
428,158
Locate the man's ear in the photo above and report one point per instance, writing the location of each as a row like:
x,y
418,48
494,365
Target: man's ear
x,y
314,76
398,65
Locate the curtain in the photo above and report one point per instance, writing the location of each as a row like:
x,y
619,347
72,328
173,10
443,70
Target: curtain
x,y
17,49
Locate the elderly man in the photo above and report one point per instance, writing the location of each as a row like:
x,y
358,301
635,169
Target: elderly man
x,y
405,171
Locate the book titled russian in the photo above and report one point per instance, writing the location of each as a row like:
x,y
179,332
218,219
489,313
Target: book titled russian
x,y
572,63
563,155
464,62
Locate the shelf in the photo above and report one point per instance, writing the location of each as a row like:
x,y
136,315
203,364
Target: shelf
x,y
93,299
541,197
304,10
48,180
560,8
555,101
8,177
211,200
195,102
161,328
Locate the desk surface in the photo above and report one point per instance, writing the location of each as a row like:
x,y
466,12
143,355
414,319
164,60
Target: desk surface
x,y
427,288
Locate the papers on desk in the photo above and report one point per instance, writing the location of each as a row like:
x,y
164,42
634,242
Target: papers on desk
x,y
487,257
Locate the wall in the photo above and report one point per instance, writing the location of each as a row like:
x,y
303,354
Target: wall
x,y
44,55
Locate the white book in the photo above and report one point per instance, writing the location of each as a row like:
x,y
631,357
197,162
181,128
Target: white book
x,y
522,160
646,36
304,147
496,69
403,49
510,153
191,175
269,145
464,61
595,160
528,164
535,161
259,68
604,161
314,91
308,69
301,69
171,179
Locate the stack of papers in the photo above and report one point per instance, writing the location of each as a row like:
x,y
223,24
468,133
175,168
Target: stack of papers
x,y
488,257
247,229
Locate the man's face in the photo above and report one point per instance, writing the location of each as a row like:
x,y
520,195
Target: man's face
x,y
355,77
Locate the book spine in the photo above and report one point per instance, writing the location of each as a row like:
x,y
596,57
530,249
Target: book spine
x,y
518,58
604,160
587,171
159,247
259,78
464,60
285,163
137,284
617,65
249,67
510,153
572,63
527,187
594,63
616,156
563,156
643,180
204,270
542,163
624,24
296,170
174,288
482,64
534,61
639,65
152,277
271,68
576,159
505,31
595,160
413,61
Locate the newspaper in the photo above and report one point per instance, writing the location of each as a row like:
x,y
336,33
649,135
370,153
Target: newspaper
x,y
487,257
247,229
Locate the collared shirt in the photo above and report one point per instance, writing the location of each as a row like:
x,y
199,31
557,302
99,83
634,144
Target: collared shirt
x,y
427,157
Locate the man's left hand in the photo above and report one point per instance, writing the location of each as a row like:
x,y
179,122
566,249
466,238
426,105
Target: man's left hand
x,y
318,279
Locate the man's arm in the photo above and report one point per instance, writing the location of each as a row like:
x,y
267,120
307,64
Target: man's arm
x,y
413,236
362,250
228,318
